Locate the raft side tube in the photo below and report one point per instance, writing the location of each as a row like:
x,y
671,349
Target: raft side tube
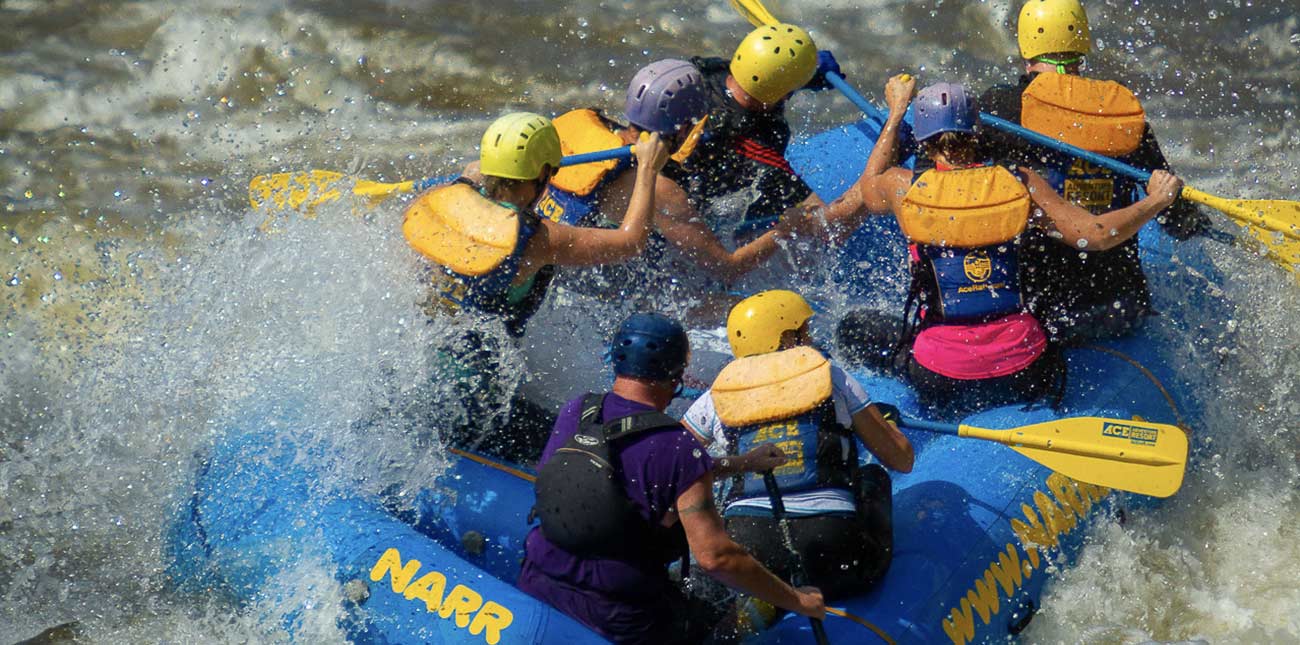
x,y
255,517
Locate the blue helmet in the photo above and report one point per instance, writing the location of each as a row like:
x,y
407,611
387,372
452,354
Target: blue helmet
x,y
649,346
943,107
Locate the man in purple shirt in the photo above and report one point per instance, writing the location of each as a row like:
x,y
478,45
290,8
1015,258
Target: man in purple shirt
x,y
620,588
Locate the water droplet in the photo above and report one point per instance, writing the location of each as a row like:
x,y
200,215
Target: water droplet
x,y
13,237
13,281
1083,244
58,275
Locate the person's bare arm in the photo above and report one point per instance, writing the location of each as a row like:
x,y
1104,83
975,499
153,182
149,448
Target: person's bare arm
x,y
899,91
682,226
881,183
730,563
883,439
1082,230
564,245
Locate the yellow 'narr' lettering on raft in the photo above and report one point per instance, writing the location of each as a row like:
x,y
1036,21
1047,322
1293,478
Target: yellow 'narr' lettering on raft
x,y
489,618
1073,500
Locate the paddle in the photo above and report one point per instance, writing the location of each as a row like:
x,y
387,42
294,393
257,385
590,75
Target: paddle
x,y
295,190
1138,456
1275,223
800,576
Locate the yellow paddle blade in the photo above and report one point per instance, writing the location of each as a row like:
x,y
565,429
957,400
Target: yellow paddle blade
x,y
1138,456
294,190
1274,222
754,12
306,190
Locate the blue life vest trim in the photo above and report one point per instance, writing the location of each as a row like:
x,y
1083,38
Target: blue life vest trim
x,y
975,284
491,292
820,453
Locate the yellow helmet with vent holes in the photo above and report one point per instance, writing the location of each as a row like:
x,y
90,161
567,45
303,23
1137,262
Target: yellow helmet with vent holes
x,y
773,61
518,145
755,324
1053,27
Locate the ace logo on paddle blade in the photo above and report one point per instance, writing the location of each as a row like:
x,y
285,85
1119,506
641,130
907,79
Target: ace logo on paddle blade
x,y
1135,434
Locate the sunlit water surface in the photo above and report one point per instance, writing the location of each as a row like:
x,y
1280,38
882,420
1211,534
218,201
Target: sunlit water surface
x,y
143,303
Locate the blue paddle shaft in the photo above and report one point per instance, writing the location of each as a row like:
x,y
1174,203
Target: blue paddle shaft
x,y
571,160
1060,146
852,95
1006,126
592,157
422,185
931,426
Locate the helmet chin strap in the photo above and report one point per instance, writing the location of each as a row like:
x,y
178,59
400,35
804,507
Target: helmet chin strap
x,y
1060,63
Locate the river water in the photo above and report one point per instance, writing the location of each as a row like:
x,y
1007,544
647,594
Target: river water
x,y
141,303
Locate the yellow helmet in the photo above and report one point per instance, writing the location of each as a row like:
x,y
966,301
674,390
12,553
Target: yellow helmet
x,y
1053,27
517,145
773,61
756,323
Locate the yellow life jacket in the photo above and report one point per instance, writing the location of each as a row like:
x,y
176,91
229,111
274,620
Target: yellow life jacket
x,y
771,387
1098,116
584,131
965,208
457,227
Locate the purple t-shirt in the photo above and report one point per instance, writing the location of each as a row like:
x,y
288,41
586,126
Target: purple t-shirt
x,y
620,600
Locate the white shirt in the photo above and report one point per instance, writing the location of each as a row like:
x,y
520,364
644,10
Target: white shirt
x,y
847,395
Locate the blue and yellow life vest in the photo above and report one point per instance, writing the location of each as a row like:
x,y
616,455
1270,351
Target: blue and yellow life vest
x,y
1099,116
572,195
965,226
477,244
784,398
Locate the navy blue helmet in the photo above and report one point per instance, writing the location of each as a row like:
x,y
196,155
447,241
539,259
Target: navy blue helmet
x,y
650,346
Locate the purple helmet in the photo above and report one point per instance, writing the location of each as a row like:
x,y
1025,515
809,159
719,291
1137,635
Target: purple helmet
x,y
665,95
943,107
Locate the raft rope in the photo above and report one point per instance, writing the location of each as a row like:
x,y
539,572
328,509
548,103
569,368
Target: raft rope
x,y
864,622
494,464
1178,416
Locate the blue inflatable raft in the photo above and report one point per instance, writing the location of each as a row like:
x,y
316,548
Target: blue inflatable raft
x,y
975,524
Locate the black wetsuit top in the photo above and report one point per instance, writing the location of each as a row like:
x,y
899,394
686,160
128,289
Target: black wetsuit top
x,y
741,150
1065,288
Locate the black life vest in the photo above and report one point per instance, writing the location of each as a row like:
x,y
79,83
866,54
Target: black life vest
x,y
1106,118
581,500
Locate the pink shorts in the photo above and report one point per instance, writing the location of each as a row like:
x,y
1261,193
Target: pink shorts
x,y
982,350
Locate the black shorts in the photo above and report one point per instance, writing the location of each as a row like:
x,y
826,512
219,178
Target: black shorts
x,y
843,555
965,396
